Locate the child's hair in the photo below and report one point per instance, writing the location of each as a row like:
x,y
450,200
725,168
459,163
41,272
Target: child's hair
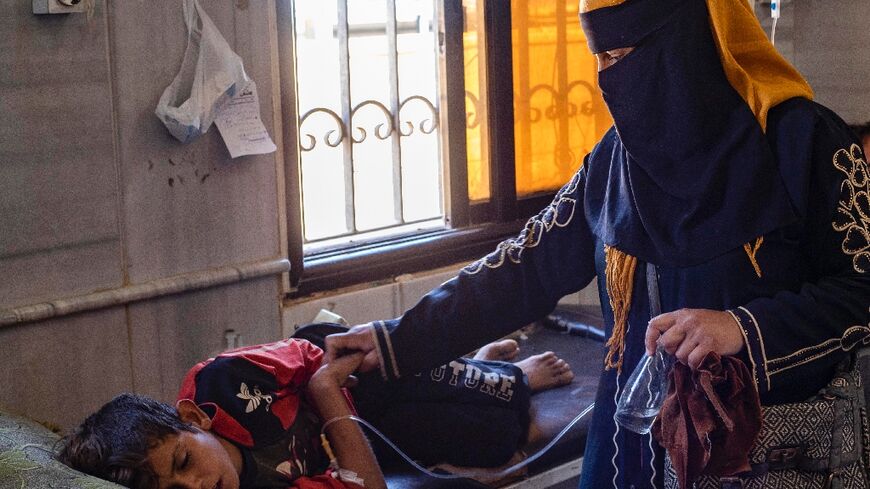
x,y
113,443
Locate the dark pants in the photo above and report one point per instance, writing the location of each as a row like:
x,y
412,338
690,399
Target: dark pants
x,y
468,413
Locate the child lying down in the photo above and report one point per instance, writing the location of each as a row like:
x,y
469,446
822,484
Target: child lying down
x,y
252,418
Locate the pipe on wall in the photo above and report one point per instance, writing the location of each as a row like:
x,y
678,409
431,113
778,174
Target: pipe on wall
x,y
178,284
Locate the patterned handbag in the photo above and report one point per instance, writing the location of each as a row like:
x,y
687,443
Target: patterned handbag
x,y
821,443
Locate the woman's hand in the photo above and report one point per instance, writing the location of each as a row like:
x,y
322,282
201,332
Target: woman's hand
x,y
689,334
337,373
359,339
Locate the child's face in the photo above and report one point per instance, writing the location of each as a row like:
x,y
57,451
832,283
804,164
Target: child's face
x,y
193,460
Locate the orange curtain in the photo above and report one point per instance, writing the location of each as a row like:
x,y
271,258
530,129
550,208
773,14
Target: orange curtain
x,y
475,98
559,114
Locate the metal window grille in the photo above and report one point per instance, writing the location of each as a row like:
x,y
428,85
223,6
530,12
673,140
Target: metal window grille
x,y
367,81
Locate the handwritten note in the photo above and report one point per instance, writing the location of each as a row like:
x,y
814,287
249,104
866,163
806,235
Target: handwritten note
x,y
240,125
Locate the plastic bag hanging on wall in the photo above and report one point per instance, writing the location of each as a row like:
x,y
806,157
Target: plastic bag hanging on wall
x,y
210,76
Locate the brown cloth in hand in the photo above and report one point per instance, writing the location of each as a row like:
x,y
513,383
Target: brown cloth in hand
x,y
710,419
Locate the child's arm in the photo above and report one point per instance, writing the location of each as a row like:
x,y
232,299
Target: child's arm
x,y
346,438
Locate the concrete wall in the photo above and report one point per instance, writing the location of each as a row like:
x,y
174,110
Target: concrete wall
x,y
97,200
829,43
96,197
832,49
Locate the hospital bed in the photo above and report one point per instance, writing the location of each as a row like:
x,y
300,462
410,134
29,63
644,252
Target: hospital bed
x,y
575,334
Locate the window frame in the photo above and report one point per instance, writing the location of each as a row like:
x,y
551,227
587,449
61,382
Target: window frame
x,y
473,229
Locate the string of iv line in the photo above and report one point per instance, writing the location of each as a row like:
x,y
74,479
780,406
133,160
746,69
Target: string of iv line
x,y
454,475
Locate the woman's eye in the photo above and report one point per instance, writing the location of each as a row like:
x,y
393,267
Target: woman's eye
x,y
184,461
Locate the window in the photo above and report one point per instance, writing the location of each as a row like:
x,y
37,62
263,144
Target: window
x,y
367,81
418,133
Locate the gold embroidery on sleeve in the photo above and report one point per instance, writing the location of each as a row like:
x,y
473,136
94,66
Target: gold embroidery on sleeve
x,y
826,346
746,342
853,210
851,338
760,343
559,213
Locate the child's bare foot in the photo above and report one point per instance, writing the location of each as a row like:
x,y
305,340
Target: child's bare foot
x,y
504,350
546,371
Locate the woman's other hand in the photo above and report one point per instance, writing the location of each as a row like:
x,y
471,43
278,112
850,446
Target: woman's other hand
x,y
359,339
689,334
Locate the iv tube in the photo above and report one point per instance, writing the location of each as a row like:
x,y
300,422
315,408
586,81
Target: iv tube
x,y
774,15
472,473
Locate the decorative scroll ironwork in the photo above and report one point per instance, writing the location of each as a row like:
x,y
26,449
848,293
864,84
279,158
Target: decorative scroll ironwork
x,y
552,111
377,132
433,120
312,141
472,119
561,102
565,104
379,120
382,131
585,109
